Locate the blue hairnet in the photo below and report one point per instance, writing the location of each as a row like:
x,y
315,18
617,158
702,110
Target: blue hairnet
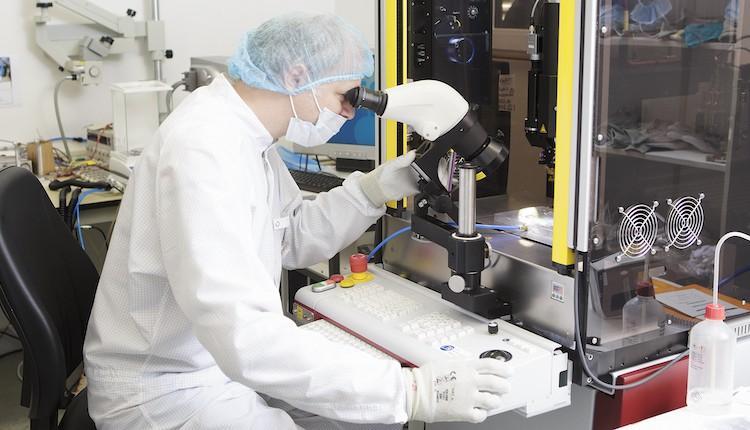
x,y
325,46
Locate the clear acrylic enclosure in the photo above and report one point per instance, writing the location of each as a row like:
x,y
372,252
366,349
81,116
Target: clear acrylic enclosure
x,y
671,163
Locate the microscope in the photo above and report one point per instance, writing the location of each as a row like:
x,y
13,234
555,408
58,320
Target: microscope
x,y
440,115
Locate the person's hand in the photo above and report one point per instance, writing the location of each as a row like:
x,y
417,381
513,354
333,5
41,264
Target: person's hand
x,y
392,180
456,391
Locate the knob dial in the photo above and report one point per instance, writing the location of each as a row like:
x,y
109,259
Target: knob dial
x,y
456,283
497,354
492,327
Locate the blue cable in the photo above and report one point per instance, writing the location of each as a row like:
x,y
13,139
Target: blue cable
x,y
385,241
78,227
405,229
77,212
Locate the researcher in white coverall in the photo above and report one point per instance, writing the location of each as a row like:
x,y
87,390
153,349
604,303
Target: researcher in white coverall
x,y
187,330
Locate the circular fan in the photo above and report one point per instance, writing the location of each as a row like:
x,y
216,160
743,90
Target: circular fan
x,y
638,230
685,222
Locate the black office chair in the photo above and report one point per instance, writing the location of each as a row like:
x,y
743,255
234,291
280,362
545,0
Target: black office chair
x,y
47,286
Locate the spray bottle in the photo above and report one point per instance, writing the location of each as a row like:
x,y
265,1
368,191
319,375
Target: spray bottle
x,y
712,350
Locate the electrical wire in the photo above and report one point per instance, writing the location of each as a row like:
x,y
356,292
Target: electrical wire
x,y
93,227
79,231
57,114
405,229
584,363
77,213
386,240
19,371
580,346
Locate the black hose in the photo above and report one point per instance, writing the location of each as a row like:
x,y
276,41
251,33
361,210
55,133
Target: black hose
x,y
57,184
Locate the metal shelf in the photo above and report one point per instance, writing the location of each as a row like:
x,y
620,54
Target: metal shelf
x,y
663,43
682,157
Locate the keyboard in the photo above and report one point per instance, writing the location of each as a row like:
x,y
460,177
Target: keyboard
x,y
337,335
315,182
436,329
415,325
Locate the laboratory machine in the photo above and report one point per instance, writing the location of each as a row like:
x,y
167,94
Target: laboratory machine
x,y
625,152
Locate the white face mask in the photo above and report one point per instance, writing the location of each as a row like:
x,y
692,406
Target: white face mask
x,y
307,134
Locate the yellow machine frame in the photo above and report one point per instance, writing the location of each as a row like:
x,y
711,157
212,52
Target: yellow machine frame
x,y
395,62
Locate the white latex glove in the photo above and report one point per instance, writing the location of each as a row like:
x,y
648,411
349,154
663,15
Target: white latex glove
x,y
392,180
456,391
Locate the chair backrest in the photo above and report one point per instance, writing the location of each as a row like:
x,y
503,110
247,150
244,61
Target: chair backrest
x,y
47,287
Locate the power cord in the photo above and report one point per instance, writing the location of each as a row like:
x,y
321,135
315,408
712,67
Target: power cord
x,y
580,346
77,213
99,230
405,229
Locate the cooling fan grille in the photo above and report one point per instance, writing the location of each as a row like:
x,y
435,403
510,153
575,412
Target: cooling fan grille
x,y
638,230
685,222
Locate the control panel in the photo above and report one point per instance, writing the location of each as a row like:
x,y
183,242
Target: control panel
x,y
415,326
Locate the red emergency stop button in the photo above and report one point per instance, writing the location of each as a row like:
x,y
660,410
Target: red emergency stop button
x,y
358,263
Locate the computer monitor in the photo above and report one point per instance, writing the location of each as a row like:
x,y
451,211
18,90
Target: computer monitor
x,y
356,144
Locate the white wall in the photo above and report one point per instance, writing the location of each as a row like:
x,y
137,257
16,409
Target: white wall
x,y
193,28
363,15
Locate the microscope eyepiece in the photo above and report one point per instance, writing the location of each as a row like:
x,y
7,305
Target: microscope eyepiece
x,y
374,100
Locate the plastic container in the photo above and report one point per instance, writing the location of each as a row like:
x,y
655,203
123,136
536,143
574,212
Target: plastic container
x,y
643,313
711,366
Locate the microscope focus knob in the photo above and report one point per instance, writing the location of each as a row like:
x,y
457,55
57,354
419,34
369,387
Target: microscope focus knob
x,y
456,283
492,327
